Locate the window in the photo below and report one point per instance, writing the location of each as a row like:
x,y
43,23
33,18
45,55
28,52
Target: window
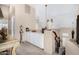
x,y
3,23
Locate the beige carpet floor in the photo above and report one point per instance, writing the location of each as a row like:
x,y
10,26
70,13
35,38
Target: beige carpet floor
x,y
29,49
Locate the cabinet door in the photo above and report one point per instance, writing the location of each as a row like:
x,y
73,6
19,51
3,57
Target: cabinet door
x,y
77,29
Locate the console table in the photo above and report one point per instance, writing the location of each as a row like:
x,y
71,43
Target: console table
x,y
10,43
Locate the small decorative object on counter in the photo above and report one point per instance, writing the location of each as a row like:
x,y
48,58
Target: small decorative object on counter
x,y
34,31
43,30
27,29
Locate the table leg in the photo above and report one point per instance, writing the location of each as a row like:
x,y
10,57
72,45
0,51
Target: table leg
x,y
13,51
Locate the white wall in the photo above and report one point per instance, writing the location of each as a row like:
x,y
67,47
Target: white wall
x,y
40,13
63,14
23,18
5,11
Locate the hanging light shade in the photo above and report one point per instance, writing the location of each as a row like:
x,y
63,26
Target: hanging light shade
x,y
48,21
